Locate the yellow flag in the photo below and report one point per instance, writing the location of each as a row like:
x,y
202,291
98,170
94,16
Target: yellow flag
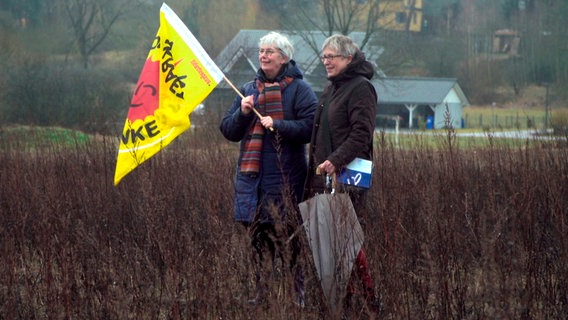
x,y
177,76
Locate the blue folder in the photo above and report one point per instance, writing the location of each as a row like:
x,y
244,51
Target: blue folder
x,y
357,173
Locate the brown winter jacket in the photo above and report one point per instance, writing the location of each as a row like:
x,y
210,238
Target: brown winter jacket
x,y
351,101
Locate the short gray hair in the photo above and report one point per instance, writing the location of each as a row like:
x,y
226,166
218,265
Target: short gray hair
x,y
341,44
280,41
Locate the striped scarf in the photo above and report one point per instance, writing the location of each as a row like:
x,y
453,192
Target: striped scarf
x,y
269,104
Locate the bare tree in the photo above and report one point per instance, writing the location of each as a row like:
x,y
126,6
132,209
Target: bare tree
x,y
91,22
378,20
335,16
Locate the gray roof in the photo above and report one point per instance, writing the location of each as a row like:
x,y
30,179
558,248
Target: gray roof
x,y
407,90
245,46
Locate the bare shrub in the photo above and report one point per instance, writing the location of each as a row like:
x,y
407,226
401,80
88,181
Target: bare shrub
x,y
49,93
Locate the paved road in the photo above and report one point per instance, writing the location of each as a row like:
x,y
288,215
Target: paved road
x,y
519,134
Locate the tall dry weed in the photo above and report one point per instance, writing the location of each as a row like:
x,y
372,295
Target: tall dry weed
x,y
452,233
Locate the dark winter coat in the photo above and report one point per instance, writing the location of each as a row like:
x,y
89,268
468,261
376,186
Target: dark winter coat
x,y
283,161
351,101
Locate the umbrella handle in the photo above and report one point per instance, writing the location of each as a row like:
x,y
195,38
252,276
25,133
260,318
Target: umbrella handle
x,y
330,180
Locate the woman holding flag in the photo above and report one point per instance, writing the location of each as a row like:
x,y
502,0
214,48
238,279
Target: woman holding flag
x,y
273,123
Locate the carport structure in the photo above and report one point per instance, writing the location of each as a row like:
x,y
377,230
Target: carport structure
x,y
443,96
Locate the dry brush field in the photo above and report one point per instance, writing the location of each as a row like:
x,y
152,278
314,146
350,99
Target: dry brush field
x,y
453,234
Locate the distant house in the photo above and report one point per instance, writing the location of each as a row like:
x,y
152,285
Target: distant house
x,y
439,100
402,15
506,43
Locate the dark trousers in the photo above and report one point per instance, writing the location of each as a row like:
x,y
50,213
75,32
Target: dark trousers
x,y
273,225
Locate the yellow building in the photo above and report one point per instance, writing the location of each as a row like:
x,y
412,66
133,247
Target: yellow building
x,y
401,15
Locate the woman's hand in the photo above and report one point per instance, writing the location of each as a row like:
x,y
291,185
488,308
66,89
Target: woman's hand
x,y
267,122
327,166
247,104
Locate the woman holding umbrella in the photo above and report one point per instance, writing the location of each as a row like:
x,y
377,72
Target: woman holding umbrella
x,y
344,126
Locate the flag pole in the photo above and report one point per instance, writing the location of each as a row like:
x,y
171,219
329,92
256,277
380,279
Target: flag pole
x,y
241,95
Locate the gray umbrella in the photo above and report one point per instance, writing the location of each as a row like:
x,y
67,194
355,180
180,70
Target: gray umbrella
x,y
335,237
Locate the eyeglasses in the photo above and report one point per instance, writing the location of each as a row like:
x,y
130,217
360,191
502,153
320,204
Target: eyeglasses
x,y
267,52
330,57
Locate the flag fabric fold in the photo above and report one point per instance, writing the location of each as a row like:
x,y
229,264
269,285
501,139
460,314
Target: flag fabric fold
x,y
177,76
